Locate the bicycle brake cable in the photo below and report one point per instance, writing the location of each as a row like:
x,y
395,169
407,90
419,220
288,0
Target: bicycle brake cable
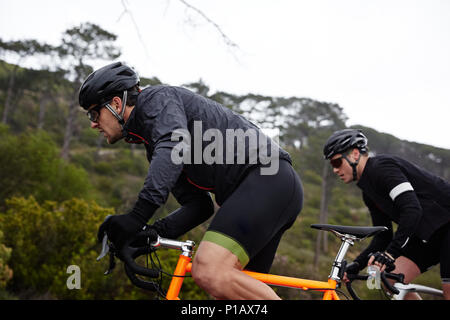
x,y
159,289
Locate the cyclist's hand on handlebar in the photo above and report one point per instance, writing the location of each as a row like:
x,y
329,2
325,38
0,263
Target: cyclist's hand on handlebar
x,y
120,229
383,260
145,237
352,268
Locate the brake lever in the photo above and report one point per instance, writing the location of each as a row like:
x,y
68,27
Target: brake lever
x,y
107,248
128,254
112,264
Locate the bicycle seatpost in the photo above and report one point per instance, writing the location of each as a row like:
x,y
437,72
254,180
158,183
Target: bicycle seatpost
x,y
338,264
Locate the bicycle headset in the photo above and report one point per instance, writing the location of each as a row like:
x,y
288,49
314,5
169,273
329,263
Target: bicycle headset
x,y
343,140
105,83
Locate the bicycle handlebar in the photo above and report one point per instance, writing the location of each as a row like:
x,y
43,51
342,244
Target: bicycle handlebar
x,y
145,242
351,278
383,276
142,244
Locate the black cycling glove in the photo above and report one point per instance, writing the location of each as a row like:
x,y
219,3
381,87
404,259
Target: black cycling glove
x,y
353,268
123,228
384,258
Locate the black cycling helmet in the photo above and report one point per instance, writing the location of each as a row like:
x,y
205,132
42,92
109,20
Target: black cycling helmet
x,y
104,83
343,140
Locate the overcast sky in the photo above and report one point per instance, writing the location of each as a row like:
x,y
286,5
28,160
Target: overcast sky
x,y
387,63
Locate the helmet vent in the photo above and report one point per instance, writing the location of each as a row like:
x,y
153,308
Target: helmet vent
x,y
116,65
105,85
125,73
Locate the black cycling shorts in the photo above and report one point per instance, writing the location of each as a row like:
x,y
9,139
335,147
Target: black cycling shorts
x,y
435,251
252,220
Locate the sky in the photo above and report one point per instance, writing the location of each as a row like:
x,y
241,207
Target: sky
x,y
385,62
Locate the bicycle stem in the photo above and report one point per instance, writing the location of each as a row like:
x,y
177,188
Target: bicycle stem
x,y
186,247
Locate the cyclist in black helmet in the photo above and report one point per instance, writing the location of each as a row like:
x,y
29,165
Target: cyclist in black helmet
x,y
259,199
396,190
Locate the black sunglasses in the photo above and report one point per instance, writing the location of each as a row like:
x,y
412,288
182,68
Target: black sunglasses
x,y
94,113
337,163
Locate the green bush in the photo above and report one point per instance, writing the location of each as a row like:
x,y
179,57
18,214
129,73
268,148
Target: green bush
x,y
30,165
5,271
46,239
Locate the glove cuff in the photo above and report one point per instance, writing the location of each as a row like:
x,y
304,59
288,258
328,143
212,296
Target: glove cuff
x,y
143,210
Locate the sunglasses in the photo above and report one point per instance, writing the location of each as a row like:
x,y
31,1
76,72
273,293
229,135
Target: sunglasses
x,y
94,113
337,163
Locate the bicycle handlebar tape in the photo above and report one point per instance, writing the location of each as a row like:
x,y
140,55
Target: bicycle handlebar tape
x,y
143,284
129,254
388,285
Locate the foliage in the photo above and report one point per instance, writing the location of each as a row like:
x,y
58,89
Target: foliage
x,y
5,271
30,165
24,48
46,239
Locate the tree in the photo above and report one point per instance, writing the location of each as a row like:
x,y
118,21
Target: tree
x,y
21,50
81,44
46,86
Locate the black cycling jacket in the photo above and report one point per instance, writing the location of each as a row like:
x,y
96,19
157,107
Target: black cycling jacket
x,y
399,191
159,111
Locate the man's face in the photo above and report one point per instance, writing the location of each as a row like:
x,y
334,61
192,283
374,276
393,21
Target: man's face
x,y
107,124
341,167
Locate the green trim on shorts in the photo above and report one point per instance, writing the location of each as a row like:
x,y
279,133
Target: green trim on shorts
x,y
228,243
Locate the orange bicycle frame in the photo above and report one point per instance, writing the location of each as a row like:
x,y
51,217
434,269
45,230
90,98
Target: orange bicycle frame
x,y
184,265
347,234
328,288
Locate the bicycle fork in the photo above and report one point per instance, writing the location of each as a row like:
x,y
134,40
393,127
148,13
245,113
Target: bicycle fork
x,y
177,279
184,264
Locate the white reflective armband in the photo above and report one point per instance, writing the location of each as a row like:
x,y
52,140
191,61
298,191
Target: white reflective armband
x,y
398,190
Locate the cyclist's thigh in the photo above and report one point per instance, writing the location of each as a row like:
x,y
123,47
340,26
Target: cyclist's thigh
x,y
251,218
408,267
223,257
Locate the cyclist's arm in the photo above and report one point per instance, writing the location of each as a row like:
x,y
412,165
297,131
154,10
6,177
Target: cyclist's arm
x,y
379,241
196,207
161,118
392,181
